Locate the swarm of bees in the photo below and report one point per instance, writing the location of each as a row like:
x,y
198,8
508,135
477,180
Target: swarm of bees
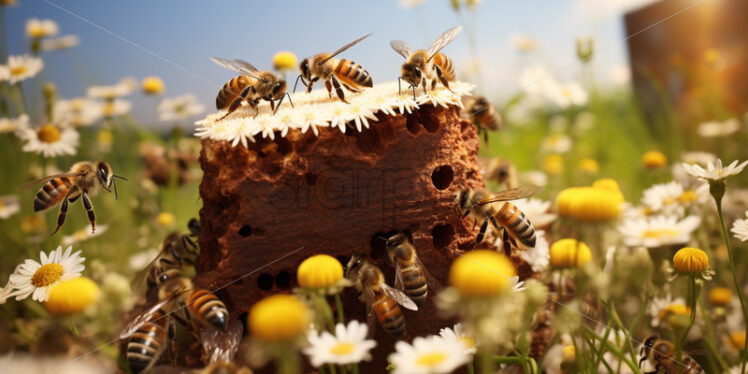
x,y
199,311
661,353
81,181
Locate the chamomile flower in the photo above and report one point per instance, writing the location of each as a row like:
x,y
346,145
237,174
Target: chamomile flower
x,y
665,309
556,143
41,28
714,129
9,205
20,68
429,355
539,256
740,228
566,95
348,346
123,88
537,211
35,279
179,108
458,333
523,42
657,231
56,44
672,198
79,111
115,107
13,124
49,140
715,171
82,234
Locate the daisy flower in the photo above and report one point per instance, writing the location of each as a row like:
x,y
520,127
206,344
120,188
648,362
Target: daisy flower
x,y
78,111
458,333
81,235
63,42
740,228
40,28
179,108
20,68
715,171
536,210
115,107
9,205
523,42
348,346
13,124
37,279
539,256
568,94
49,140
556,143
657,231
429,355
673,198
715,129
662,308
123,88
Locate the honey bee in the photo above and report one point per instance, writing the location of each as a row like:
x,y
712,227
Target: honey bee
x,y
382,301
82,181
422,66
478,205
411,276
149,341
175,251
195,227
334,73
502,171
479,111
203,306
660,353
252,86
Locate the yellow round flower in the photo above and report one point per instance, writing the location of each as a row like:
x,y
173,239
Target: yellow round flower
x,y
589,166
481,273
553,164
690,261
152,85
72,296
720,296
607,184
674,314
654,159
284,61
589,203
569,354
105,137
568,253
320,271
165,219
278,318
737,340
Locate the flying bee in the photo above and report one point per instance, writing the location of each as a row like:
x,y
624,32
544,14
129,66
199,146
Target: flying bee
x,y
422,66
252,86
502,171
382,301
334,73
479,111
478,205
82,181
661,353
176,250
411,276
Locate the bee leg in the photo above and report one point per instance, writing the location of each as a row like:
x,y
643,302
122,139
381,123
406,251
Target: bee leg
x,y
272,105
482,232
63,211
311,82
349,88
338,89
399,87
238,101
442,78
328,85
494,222
172,331
89,211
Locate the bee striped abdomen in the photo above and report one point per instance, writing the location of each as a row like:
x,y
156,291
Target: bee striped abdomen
x,y
444,63
146,344
353,74
209,307
414,285
231,90
52,193
517,225
389,315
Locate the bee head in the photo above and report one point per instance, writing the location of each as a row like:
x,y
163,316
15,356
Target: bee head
x,y
104,173
279,89
354,265
650,341
306,72
395,240
412,74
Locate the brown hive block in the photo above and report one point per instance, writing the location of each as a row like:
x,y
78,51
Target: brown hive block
x,y
335,193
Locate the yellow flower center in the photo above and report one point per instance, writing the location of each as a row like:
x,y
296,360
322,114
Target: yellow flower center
x,y
278,318
481,273
674,310
720,171
467,341
319,271
108,109
49,134
569,253
669,201
46,275
737,340
431,359
654,159
687,196
341,349
655,234
72,296
165,219
720,296
2,206
284,61
18,70
76,105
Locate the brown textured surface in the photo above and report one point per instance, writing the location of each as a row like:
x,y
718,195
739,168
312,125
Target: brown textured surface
x,y
332,194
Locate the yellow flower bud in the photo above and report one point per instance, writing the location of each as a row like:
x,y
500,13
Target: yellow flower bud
x,y
165,219
481,273
320,271
568,253
152,85
72,296
673,314
737,340
284,61
690,261
553,164
278,318
654,159
589,166
590,203
720,296
569,354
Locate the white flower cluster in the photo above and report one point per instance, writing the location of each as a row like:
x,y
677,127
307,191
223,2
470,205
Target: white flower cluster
x,y
316,110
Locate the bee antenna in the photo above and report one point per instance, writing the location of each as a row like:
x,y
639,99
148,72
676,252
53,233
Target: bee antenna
x,y
119,176
289,99
115,188
297,82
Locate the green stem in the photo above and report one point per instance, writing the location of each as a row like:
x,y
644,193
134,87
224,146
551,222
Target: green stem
x,y
287,362
614,350
710,338
343,369
322,369
470,368
738,288
332,369
485,362
339,307
691,318
354,368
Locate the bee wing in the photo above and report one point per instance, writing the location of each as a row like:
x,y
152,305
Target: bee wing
x,y
432,282
222,345
443,39
401,47
511,194
143,273
371,318
47,179
237,65
399,284
141,320
343,48
400,297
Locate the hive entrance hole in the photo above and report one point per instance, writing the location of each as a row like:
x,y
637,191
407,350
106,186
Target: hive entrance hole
x,y
245,231
442,177
379,241
265,281
442,235
283,280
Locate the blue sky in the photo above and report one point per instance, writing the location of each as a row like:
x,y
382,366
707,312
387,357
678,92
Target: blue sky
x,y
174,39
